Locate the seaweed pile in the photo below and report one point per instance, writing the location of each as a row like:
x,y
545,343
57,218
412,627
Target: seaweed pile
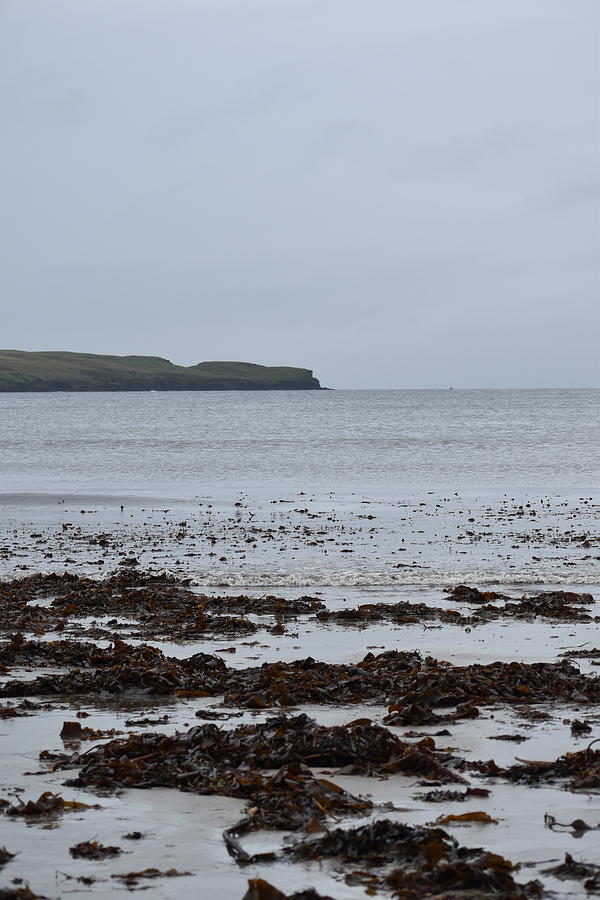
x,y
157,604
153,606
274,764
267,605
259,889
124,668
411,687
209,760
407,683
557,605
571,869
427,862
403,613
580,771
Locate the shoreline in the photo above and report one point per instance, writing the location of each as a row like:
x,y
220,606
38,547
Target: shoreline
x,y
118,692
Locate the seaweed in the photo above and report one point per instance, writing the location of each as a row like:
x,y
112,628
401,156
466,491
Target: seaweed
x,y
429,862
93,850
205,756
47,804
580,770
258,889
571,869
20,893
419,686
5,856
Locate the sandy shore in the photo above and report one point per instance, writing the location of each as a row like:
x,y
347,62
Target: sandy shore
x,y
182,831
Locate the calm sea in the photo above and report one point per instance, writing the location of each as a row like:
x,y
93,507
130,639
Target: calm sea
x,y
442,457
182,444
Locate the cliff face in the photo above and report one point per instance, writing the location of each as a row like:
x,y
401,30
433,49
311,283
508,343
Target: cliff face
x,y
58,371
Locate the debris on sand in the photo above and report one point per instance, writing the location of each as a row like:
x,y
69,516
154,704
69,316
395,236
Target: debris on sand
x,y
430,862
403,613
417,686
93,850
207,756
258,889
462,593
47,804
124,668
20,893
158,604
570,869
580,771
75,731
445,796
209,760
241,604
130,879
274,764
5,856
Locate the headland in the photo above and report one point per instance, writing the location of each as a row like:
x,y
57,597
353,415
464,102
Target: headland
x,y
61,371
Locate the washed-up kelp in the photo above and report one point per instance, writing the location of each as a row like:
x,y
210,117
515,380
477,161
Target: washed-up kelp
x,y
403,612
159,609
93,850
571,869
131,879
124,668
580,771
430,862
20,893
592,653
462,593
440,685
47,804
557,605
75,731
156,603
5,856
444,796
20,652
25,708
201,758
258,889
411,686
470,595
290,799
260,606
159,604
210,760
408,678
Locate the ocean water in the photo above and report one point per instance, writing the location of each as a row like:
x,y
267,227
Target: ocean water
x,y
497,485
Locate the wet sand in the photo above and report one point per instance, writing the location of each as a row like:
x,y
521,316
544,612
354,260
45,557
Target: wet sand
x,y
183,830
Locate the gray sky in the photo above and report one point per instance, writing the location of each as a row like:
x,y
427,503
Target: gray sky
x,y
393,193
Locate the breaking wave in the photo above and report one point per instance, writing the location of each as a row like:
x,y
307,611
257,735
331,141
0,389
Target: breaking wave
x,y
388,579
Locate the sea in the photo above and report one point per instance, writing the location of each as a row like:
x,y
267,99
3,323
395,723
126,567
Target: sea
x,y
305,488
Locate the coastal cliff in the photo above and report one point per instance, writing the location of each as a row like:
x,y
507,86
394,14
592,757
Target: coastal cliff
x,y
60,371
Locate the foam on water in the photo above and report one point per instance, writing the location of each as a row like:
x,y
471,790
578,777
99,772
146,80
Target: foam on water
x,y
388,579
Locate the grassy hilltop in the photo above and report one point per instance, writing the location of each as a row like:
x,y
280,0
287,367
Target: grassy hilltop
x,y
60,371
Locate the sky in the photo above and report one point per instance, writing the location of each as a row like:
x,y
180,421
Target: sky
x,y
395,194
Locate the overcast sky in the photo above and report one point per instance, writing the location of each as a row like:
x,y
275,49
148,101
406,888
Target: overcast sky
x,y
393,193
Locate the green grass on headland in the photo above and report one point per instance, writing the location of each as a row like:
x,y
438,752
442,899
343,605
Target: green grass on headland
x,y
60,371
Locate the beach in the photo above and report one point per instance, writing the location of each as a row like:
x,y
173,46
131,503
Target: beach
x,y
235,563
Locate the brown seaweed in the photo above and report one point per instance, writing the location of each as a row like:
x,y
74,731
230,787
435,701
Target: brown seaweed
x,y
430,862
93,850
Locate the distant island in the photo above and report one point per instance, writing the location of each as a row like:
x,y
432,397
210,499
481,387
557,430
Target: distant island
x,y
60,371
